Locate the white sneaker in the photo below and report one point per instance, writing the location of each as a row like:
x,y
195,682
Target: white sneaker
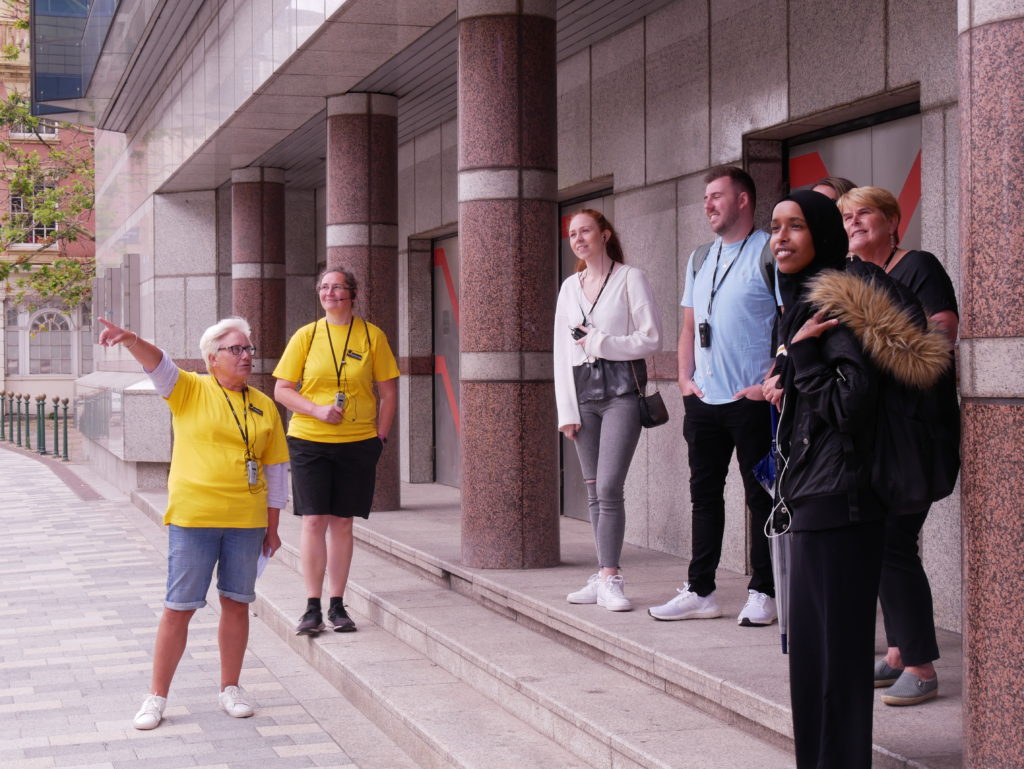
x,y
687,605
610,595
759,610
587,593
235,703
151,713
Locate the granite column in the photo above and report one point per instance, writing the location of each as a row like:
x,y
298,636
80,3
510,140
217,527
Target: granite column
x,y
362,226
257,264
991,37
508,234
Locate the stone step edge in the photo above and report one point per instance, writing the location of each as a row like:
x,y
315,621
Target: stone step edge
x,y
725,700
717,697
573,729
419,744
400,725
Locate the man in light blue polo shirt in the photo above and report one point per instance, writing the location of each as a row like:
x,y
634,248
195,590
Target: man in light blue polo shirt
x,y
729,308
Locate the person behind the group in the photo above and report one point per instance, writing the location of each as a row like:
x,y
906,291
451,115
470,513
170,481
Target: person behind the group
x,y
872,216
336,435
724,353
606,322
227,484
829,373
833,187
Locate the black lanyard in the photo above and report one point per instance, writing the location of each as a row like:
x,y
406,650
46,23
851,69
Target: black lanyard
x,y
244,432
606,277
714,275
337,367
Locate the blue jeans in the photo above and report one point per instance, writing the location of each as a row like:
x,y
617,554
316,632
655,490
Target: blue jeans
x,y
192,552
609,431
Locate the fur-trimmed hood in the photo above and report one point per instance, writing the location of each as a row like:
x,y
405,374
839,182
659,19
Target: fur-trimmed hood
x,y
888,332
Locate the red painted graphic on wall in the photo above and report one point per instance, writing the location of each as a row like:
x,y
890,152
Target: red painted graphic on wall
x,y
441,369
440,260
806,169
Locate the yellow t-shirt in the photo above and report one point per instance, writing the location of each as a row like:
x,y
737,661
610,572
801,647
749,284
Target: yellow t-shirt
x,y
208,486
307,359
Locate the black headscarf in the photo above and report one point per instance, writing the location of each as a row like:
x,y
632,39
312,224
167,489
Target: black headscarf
x,y
830,247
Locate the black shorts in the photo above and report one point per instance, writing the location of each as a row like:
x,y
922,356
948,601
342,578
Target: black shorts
x,y
334,478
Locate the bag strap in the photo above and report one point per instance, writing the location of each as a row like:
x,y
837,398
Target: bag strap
x,y
629,310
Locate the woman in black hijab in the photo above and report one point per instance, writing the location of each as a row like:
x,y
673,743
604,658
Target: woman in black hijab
x,y
829,385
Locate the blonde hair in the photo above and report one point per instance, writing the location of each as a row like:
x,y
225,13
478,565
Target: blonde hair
x,y
876,197
212,337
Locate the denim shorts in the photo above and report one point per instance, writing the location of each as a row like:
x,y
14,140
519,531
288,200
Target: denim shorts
x,y
192,552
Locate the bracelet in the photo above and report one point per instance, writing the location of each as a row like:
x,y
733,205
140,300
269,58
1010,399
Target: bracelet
x,y
130,346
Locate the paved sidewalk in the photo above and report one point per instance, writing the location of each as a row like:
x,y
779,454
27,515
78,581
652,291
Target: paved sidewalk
x,y
81,588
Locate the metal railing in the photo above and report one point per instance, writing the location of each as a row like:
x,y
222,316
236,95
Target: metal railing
x,y
21,415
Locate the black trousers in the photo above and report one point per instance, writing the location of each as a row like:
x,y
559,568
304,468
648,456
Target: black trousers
x,y
712,432
904,592
833,595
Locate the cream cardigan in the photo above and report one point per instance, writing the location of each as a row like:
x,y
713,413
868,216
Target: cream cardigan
x,y
626,326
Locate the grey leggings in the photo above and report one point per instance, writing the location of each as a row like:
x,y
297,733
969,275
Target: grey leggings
x,y
609,431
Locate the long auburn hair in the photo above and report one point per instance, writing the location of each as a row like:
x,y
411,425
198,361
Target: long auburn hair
x,y
613,247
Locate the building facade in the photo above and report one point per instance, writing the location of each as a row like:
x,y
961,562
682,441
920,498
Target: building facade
x,y
434,147
46,344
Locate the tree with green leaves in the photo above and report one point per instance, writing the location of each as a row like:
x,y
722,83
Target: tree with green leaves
x,y
46,229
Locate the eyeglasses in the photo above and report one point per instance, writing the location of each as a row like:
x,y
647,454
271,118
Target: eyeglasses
x,y
325,288
238,349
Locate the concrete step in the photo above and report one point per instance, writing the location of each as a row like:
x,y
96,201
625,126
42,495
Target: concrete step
x,y
408,578
459,685
439,719
733,673
604,717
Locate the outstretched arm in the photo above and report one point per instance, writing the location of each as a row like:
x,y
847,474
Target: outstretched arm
x,y
148,355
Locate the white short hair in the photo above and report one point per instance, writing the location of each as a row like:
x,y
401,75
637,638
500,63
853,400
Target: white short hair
x,y
211,338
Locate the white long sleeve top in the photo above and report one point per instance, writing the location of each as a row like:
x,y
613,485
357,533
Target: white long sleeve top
x,y
626,325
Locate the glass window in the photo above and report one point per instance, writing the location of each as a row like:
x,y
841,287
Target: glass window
x,y
49,346
85,337
21,216
44,128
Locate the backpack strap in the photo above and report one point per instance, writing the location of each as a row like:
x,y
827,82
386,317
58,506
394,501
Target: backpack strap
x,y
700,255
766,263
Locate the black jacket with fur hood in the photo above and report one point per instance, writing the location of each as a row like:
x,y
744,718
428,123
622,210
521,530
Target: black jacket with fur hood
x,y
827,426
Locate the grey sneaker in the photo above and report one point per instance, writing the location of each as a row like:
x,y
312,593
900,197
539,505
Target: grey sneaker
x,y
312,622
235,703
911,690
687,605
885,675
151,713
610,595
587,593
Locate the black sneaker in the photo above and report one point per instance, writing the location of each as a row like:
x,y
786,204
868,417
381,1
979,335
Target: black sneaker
x,y
339,618
312,622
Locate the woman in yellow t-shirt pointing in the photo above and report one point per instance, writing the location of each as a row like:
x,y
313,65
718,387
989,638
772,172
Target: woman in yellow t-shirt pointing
x,y
228,482
336,434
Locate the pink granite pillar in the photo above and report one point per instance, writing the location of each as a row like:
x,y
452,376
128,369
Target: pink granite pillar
x,y
508,235
257,264
992,379
362,226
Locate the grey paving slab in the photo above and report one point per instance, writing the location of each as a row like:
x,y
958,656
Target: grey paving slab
x,y
81,586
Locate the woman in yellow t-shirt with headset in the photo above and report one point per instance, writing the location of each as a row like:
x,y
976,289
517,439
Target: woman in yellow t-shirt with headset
x,y
336,435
